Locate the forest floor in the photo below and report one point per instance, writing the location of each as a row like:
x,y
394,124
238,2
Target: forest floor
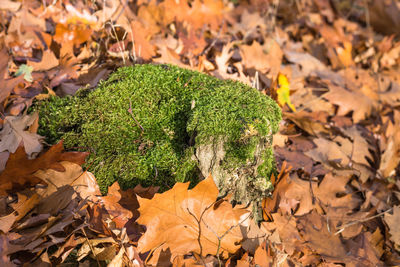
x,y
336,199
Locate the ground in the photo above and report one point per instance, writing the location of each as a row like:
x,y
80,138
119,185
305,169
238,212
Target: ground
x,y
161,124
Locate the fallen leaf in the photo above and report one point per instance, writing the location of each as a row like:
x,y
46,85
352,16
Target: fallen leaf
x,y
283,92
48,61
308,63
117,261
20,171
4,244
26,71
7,85
253,237
337,156
21,208
262,257
344,99
83,182
118,214
308,122
249,22
316,232
10,5
384,16
284,228
266,58
14,132
392,220
87,246
193,43
187,221
367,254
339,48
143,48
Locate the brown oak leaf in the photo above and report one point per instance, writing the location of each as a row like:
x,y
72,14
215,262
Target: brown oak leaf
x,y
20,170
185,221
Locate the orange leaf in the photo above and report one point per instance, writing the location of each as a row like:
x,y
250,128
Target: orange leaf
x,y
185,221
20,170
143,47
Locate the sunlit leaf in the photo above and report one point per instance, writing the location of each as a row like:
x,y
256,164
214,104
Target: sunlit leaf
x,y
283,92
26,71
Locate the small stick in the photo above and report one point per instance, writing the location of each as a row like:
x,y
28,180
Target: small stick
x,y
341,229
91,247
130,111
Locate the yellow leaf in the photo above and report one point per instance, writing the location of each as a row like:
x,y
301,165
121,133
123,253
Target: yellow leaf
x,y
283,92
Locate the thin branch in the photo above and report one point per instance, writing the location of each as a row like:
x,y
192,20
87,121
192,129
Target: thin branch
x,y
91,247
130,111
342,228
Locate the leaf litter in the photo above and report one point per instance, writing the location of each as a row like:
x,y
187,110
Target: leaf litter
x,y
336,199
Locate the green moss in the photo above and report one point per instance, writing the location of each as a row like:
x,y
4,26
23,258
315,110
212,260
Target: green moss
x,y
145,123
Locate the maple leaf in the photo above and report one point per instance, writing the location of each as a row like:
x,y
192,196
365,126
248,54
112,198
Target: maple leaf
x,y
20,170
185,221
14,132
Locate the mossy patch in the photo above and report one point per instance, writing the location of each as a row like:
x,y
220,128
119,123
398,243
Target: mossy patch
x,y
160,124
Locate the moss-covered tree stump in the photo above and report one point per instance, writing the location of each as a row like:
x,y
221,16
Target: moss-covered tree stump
x,y
160,124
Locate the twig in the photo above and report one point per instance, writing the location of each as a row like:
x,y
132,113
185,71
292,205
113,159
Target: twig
x,y
367,17
224,234
130,111
122,10
91,247
341,229
121,48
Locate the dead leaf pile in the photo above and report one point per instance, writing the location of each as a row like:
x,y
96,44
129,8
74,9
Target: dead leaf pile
x,y
332,65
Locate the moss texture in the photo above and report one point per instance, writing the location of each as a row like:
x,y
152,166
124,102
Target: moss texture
x,y
160,124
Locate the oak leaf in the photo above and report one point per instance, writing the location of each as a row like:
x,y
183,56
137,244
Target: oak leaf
x,y
315,230
344,99
7,84
143,47
83,182
14,131
266,58
342,155
20,170
185,221
392,220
